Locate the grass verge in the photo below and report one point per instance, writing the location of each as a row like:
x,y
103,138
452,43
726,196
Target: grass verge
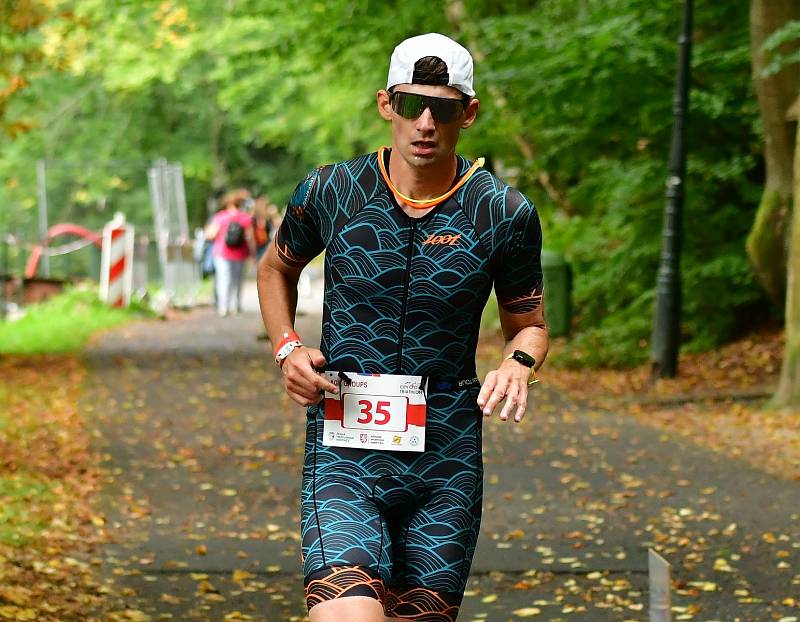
x,y
63,323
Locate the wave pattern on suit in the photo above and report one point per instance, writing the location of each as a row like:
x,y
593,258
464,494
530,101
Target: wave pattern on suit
x,y
405,295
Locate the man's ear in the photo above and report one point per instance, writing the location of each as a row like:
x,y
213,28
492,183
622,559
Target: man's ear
x,y
384,105
471,113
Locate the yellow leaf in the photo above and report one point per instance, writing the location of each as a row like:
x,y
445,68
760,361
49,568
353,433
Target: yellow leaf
x,y
489,599
214,597
722,565
242,575
15,595
705,586
17,613
129,615
527,612
204,587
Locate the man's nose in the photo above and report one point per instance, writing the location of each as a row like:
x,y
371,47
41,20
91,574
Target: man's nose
x,y
425,120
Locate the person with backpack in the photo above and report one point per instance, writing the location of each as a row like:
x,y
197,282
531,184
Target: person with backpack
x,y
231,229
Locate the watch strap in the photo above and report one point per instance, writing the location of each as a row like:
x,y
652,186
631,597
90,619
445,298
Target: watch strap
x,y
532,377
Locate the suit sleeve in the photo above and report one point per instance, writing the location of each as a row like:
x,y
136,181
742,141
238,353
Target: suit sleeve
x,y
519,284
298,239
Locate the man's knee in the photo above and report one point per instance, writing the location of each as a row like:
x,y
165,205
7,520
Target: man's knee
x,y
350,608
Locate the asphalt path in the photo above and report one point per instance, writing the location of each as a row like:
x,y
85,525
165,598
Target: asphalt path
x,y
203,453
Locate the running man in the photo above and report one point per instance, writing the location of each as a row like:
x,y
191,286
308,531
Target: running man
x,y
415,237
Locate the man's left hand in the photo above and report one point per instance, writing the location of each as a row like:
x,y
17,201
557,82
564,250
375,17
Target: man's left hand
x,y
509,382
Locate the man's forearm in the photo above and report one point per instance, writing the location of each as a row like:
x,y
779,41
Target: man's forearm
x,y
533,340
277,296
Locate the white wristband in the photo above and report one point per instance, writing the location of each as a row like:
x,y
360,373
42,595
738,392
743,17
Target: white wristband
x,y
286,350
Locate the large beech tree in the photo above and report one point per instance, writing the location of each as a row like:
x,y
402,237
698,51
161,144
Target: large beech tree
x,y
788,392
767,241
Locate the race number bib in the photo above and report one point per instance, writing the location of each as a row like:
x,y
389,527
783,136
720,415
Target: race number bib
x,y
375,411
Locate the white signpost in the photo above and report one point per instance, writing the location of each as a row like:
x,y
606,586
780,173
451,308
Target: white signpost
x,y
658,569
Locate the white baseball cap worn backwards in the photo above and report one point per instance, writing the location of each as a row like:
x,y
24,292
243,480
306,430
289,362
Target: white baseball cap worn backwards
x,y
455,56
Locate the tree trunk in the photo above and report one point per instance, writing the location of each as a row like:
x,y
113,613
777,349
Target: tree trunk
x,y
788,392
768,238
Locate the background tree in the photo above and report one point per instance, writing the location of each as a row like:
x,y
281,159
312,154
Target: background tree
x,y
19,22
767,241
788,391
781,56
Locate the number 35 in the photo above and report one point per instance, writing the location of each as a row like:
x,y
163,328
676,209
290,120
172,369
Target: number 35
x,y
381,408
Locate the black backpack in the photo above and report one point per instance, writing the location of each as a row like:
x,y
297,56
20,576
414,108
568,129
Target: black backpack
x,y
234,235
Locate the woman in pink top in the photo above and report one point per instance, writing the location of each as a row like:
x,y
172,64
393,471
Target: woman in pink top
x,y
232,232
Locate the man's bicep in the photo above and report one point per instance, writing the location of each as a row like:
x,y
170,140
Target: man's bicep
x,y
284,261
521,312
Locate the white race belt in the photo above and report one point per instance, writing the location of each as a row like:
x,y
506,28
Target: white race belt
x,y
375,411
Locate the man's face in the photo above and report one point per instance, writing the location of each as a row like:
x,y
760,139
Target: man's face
x,y
423,142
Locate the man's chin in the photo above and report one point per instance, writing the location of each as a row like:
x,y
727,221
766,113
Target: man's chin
x,y
423,160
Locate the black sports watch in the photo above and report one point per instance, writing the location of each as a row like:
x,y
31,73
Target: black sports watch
x,y
524,358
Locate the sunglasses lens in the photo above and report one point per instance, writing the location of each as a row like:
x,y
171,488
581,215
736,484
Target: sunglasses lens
x,y
408,105
446,110
411,105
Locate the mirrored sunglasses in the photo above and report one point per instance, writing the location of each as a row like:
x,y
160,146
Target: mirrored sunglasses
x,y
411,105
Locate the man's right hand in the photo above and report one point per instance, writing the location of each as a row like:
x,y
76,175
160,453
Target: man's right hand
x,y
303,383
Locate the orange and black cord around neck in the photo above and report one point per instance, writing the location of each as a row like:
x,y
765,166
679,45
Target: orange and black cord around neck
x,y
424,203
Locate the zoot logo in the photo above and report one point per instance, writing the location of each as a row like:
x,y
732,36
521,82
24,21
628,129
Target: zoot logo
x,y
446,239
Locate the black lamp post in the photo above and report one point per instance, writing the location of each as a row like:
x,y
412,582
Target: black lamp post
x,y
666,326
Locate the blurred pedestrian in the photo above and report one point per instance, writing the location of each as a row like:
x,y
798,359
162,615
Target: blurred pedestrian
x,y
262,225
231,229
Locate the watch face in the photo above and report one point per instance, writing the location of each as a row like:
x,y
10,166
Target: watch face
x,y
524,358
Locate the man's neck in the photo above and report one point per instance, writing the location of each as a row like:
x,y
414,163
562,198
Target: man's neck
x,y
423,183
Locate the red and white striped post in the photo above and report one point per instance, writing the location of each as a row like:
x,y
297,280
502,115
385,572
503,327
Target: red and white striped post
x,y
116,263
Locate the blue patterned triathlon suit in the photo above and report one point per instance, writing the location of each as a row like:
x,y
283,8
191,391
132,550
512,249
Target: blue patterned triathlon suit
x,y
404,296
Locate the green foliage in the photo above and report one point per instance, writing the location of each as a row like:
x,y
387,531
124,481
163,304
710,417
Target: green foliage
x,y
576,102
62,324
786,38
595,106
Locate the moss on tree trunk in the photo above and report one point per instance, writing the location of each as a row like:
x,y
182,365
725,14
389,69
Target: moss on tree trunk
x,y
766,243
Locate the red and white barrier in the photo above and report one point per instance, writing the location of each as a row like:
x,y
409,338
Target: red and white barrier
x,y
116,263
